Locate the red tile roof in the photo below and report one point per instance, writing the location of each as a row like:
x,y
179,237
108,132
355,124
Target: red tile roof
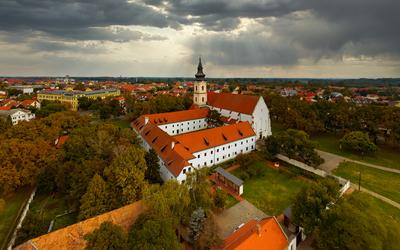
x,y
177,157
5,108
239,103
72,237
178,116
61,140
208,138
264,234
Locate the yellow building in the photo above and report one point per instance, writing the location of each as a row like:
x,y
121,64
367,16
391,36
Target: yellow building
x,y
70,98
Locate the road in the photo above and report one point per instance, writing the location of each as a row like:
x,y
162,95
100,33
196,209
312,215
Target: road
x,y
332,161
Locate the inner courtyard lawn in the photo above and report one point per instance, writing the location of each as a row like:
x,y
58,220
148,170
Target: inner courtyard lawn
x,y
379,181
272,190
384,157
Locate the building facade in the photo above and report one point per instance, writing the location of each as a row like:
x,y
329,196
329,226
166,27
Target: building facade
x,y
70,98
17,115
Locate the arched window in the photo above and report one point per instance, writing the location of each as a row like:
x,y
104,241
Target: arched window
x,y
202,88
195,99
202,99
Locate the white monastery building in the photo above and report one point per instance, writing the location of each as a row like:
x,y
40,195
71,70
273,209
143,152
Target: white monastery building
x,y
183,140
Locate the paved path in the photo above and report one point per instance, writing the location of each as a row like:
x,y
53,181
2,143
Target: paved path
x,y
380,197
332,161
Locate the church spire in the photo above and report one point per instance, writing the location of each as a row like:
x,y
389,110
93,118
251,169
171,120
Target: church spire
x,y
200,75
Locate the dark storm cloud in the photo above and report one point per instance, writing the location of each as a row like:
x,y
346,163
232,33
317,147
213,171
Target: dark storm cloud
x,y
47,46
310,29
248,48
63,17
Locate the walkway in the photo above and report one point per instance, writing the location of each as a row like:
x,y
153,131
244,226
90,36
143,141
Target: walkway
x,y
332,161
378,196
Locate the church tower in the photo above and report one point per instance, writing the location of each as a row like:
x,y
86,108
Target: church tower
x,y
200,87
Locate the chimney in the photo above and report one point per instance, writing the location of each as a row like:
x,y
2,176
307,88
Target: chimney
x,y
172,145
146,120
258,229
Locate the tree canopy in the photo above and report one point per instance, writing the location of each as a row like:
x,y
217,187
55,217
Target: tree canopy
x,y
107,237
359,142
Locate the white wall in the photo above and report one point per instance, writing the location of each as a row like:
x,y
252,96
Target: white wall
x,y
21,116
262,121
184,126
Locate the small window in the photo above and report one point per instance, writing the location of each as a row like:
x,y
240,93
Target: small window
x,y
241,143
211,161
217,150
198,156
217,159
229,155
247,148
223,148
205,163
235,145
223,157
211,152
184,171
205,154
229,146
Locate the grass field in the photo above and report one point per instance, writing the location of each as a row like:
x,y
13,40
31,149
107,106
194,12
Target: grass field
x,y
378,181
272,191
10,212
383,157
384,212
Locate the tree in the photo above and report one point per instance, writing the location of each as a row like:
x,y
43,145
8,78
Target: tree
x,y
220,199
2,205
200,189
312,201
196,224
153,167
49,107
294,144
5,123
214,119
359,142
153,233
107,237
126,175
347,226
171,200
96,199
209,236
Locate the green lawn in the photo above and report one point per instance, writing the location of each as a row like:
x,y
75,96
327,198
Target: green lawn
x,y
10,212
381,182
272,191
370,205
65,220
384,157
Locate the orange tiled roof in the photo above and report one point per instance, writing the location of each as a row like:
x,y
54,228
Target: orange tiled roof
x,y
178,116
5,108
203,139
239,103
71,237
268,235
175,158
61,140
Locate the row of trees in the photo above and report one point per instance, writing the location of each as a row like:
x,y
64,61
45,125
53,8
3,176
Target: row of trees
x,y
158,104
340,117
340,223
106,108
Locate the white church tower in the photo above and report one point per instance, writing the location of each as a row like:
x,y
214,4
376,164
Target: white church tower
x,y
200,87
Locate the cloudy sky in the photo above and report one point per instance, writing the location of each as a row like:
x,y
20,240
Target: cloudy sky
x,y
236,38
